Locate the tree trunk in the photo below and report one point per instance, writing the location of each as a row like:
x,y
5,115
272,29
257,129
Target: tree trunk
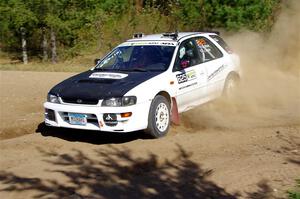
x,y
138,5
45,45
24,44
53,46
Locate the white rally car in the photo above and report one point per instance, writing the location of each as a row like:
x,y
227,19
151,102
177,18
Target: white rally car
x,y
144,83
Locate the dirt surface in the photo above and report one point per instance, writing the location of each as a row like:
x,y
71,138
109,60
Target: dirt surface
x,y
231,152
21,97
246,147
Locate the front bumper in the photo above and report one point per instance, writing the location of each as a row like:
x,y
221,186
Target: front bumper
x,y
57,115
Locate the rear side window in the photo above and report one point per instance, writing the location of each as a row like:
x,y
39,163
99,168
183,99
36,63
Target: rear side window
x,y
207,50
221,42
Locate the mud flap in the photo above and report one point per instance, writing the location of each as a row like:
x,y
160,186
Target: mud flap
x,y
174,113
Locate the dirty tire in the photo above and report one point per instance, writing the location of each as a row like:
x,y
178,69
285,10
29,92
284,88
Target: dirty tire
x,y
230,87
159,117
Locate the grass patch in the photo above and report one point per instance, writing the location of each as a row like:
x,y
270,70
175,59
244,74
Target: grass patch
x,y
295,193
61,67
78,64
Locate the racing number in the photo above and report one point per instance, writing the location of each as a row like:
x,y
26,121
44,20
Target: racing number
x,y
181,78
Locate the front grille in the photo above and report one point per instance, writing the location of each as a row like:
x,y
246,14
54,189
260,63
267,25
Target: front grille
x,y
80,101
91,118
110,119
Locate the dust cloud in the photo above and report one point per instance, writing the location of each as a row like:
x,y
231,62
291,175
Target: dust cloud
x,y
269,93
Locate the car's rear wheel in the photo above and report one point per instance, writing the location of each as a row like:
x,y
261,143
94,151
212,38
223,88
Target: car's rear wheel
x,y
230,86
159,117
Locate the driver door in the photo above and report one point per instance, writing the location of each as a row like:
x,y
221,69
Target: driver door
x,y
190,75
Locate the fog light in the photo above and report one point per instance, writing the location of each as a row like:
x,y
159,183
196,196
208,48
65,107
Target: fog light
x,y
128,114
49,114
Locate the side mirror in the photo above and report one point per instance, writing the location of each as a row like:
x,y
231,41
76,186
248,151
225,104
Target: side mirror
x,y
184,64
96,61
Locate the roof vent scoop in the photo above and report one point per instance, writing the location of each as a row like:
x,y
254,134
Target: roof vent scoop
x,y
138,35
173,35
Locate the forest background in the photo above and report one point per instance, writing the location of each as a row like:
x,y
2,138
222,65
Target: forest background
x,y
78,31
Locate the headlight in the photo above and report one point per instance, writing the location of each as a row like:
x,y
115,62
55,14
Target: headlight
x,y
53,99
120,101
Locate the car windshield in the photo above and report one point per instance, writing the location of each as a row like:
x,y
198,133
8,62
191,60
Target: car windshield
x,y
138,58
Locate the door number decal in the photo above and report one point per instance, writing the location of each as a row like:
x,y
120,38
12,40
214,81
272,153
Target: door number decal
x,y
186,76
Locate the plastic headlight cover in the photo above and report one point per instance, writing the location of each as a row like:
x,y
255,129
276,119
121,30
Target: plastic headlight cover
x,y
128,100
124,101
112,102
52,98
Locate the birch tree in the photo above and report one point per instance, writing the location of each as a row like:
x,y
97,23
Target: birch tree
x,y
44,44
21,22
24,45
53,46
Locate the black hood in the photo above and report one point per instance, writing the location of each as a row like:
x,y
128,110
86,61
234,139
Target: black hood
x,y
83,87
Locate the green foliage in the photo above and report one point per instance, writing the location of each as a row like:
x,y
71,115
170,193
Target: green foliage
x,y
295,194
15,15
189,14
229,14
89,26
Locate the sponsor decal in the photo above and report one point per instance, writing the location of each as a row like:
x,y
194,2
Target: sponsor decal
x,y
181,52
201,42
100,75
186,76
191,75
213,74
149,43
203,46
167,43
195,83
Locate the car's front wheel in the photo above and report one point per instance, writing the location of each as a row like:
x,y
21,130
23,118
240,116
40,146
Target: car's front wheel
x,y
159,117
